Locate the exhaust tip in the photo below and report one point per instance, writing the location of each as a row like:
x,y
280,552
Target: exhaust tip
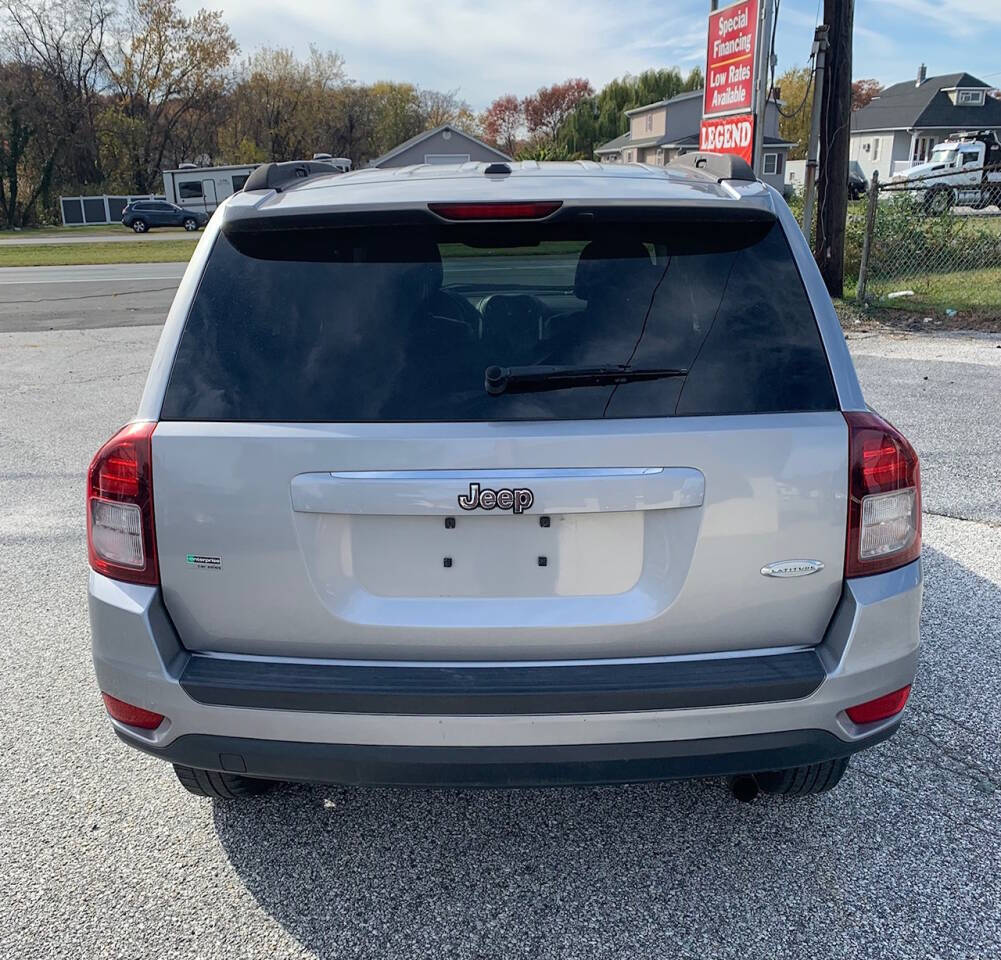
x,y
744,787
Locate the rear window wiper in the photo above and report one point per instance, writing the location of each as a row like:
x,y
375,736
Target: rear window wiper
x,y
534,379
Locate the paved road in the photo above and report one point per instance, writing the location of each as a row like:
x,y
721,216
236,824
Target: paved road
x,y
121,235
104,856
73,298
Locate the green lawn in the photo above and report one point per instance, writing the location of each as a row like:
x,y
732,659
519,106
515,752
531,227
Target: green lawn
x,y
969,292
58,255
98,228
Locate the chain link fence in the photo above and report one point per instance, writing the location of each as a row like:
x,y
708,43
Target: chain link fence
x,y
931,244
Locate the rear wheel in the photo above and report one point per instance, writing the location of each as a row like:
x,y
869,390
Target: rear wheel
x,y
220,786
939,200
140,226
803,781
190,224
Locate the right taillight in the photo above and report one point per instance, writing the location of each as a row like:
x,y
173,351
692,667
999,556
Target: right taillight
x,y
120,538
884,497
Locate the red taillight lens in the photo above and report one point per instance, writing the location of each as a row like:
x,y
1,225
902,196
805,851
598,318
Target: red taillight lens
x,y
496,211
134,716
120,536
880,708
884,497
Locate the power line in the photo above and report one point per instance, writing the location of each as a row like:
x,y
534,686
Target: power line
x,y
771,68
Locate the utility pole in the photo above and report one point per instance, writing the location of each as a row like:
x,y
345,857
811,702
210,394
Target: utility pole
x,y
762,81
812,150
832,184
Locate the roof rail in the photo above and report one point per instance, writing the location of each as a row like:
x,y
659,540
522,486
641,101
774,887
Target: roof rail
x,y
277,176
722,166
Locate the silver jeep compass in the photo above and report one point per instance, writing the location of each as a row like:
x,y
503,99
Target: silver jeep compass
x,y
504,475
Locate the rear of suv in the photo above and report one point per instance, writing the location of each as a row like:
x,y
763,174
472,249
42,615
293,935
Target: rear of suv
x,y
504,475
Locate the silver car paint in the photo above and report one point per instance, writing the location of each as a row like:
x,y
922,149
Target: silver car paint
x,y
869,646
775,487
869,649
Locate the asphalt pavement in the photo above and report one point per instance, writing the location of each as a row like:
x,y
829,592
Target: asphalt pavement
x,y
79,297
105,856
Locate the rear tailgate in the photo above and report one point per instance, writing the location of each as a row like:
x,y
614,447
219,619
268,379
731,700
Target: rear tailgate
x,y
359,570
332,479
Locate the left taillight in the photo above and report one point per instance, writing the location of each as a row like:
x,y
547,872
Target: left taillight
x,y
121,541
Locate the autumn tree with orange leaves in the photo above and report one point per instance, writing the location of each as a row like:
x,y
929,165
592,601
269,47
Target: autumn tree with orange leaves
x,y
547,108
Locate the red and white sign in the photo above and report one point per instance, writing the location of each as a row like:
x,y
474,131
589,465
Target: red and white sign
x,y
729,135
732,43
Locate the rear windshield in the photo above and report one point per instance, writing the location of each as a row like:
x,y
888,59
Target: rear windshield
x,y
401,324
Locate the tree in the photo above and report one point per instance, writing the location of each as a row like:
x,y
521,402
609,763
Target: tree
x,y
350,123
468,121
281,104
58,47
796,109
396,116
864,92
549,107
546,149
600,118
163,68
439,107
26,160
503,122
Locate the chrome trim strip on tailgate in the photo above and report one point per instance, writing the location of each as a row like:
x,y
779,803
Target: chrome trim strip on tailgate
x,y
558,490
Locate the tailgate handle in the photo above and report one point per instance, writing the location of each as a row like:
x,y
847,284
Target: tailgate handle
x,y
556,490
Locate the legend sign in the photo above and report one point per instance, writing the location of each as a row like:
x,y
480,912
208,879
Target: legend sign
x,y
730,52
734,134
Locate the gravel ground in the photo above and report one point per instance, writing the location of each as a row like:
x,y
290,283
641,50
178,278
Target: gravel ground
x,y
105,856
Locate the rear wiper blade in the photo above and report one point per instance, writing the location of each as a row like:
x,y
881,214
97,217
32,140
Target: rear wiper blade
x,y
533,379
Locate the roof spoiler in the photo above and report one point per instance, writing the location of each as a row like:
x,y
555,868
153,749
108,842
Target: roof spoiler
x,y
277,176
721,166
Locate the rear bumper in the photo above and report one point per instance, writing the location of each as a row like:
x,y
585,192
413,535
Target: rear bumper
x,y
657,718
534,766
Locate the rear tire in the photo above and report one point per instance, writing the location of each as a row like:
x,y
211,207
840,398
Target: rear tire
x,y
220,786
939,201
190,224
803,781
139,226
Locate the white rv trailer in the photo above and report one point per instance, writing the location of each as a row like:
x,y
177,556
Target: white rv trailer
x,y
204,188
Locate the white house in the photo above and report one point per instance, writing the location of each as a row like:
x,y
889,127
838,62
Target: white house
x,y
900,126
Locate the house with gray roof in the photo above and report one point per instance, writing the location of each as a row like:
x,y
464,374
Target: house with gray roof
x,y
900,127
660,131
444,144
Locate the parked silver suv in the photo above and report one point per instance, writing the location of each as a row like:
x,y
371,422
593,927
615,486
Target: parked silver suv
x,y
527,474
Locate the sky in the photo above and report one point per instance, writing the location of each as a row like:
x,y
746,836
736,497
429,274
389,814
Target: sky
x,y
486,49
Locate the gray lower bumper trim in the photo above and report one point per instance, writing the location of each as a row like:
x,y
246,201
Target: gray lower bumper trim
x,y
465,690
361,764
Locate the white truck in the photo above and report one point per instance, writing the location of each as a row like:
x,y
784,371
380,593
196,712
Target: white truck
x,y
964,170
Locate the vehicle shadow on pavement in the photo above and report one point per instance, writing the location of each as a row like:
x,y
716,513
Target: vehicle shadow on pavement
x,y
676,869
